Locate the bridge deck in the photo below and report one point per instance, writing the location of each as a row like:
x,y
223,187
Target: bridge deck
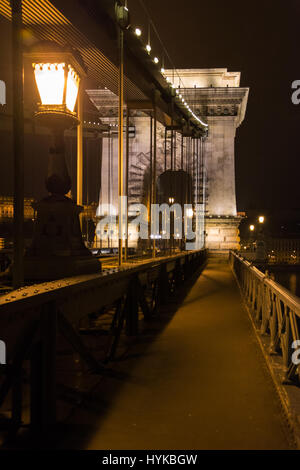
x,y
200,382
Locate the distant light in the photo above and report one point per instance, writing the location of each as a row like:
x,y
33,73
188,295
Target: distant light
x,y
190,212
252,228
138,31
156,60
148,48
171,200
162,70
261,219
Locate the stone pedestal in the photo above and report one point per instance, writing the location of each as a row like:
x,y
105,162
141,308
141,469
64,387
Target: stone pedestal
x,y
57,250
222,233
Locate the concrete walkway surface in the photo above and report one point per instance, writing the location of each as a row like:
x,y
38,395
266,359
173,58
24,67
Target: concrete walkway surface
x,y
201,382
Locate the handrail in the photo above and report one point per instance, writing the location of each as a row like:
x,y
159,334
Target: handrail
x,y
31,317
285,295
275,310
39,294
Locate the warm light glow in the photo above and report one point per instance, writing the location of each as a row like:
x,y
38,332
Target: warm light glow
x,y
138,31
148,47
261,219
190,212
171,200
72,89
50,79
162,70
156,60
252,228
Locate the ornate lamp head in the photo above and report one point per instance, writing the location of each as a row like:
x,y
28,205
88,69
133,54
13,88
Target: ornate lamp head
x,y
58,71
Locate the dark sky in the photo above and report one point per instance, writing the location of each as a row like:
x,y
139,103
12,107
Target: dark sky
x,y
258,38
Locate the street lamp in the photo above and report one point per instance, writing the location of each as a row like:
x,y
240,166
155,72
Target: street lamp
x,y
260,242
57,71
58,85
57,249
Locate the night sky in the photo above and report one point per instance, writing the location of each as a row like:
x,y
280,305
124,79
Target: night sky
x,y
259,39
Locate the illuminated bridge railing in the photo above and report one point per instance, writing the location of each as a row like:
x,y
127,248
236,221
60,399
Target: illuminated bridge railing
x,y
275,311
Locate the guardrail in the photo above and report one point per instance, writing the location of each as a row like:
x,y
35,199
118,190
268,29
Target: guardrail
x,y
275,311
31,317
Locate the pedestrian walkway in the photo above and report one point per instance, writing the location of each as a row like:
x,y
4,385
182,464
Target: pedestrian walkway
x,y
201,383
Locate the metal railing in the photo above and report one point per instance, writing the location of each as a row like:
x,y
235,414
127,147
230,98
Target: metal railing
x,y
32,317
275,311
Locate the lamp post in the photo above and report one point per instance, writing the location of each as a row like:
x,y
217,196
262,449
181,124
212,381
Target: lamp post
x,y
252,229
261,245
57,249
261,220
18,143
123,21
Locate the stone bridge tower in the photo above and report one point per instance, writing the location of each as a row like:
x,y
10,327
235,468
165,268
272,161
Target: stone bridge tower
x,y
216,95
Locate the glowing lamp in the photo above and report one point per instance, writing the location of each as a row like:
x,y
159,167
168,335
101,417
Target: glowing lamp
x,y
58,253
252,228
57,84
190,212
57,71
261,219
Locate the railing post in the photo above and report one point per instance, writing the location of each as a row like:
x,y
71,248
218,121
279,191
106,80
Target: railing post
x,y
43,372
132,310
163,285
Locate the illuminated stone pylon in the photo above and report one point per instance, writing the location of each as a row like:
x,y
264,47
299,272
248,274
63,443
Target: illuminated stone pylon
x,y
216,95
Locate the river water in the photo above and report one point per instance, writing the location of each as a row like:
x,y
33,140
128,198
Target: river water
x,y
288,279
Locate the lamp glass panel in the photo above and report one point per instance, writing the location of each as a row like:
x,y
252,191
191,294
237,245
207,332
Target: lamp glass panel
x,y
72,89
50,82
